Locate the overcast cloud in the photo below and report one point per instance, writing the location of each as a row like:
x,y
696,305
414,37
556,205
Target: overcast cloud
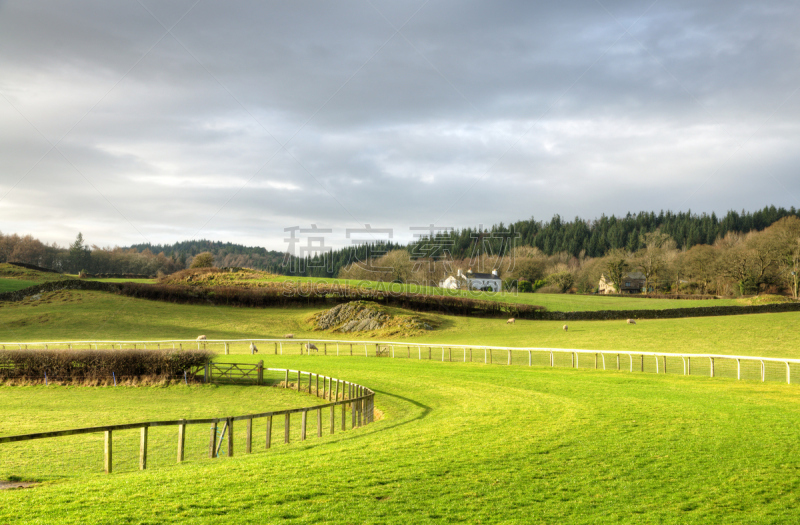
x,y
164,121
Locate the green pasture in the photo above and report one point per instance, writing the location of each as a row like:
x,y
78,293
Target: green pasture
x,y
12,285
458,443
85,315
552,302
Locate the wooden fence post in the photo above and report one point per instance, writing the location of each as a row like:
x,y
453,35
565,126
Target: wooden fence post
x,y
108,452
286,381
344,416
303,425
509,357
352,414
317,392
248,445
286,429
212,441
298,380
230,437
269,431
333,417
261,372
319,422
712,366
336,398
205,375
181,441
143,449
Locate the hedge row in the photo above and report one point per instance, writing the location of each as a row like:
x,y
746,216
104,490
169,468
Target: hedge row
x,y
33,267
95,364
282,295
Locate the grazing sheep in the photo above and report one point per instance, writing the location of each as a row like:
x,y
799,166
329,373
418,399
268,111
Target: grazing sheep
x,y
631,321
253,348
566,328
311,346
511,321
288,336
201,338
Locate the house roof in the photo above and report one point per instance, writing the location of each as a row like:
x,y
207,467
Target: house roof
x,y
482,276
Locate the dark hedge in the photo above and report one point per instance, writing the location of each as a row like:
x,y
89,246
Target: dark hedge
x,y
98,364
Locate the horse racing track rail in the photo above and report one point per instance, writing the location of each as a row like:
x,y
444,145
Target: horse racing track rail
x,y
712,365
343,396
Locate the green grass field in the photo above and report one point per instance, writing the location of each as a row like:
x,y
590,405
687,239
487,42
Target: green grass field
x,y
457,443
83,315
12,285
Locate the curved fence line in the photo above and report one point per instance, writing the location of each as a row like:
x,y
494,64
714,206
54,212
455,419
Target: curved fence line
x,y
714,365
357,399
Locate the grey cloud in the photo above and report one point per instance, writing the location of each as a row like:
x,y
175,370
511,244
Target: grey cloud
x,y
474,113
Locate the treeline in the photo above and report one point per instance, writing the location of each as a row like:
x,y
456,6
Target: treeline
x,y
578,238
79,257
596,238
735,264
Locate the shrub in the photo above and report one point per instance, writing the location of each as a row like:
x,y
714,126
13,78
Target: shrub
x,y
203,260
80,365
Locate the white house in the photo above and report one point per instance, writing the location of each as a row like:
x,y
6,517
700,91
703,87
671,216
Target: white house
x,y
473,281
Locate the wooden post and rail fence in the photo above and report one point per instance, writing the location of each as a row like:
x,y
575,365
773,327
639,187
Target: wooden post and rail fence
x,y
347,396
713,365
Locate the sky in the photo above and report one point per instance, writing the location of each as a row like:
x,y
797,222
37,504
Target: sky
x,y
253,122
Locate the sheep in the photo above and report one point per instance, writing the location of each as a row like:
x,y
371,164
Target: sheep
x,y
566,328
511,321
311,346
201,338
253,348
288,336
631,321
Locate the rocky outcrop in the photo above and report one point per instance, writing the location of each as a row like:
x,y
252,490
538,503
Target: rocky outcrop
x,y
362,316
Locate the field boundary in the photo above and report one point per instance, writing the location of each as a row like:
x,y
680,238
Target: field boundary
x,y
359,399
714,365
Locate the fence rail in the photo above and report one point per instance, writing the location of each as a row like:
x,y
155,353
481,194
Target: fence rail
x,y
713,365
357,399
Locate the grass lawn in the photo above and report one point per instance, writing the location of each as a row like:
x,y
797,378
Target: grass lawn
x,y
457,443
84,315
12,285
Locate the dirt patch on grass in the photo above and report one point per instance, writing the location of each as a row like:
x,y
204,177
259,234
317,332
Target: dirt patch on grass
x,y
6,485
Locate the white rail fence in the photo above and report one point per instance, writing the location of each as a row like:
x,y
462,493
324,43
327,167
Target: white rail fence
x,y
713,365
